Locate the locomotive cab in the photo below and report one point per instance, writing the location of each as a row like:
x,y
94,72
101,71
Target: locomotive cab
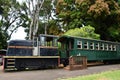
x,y
42,52
48,45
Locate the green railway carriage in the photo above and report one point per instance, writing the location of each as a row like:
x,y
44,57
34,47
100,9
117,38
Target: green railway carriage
x,y
94,50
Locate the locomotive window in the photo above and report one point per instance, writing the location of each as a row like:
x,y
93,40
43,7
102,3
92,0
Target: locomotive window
x,y
92,46
114,47
106,46
79,44
48,41
97,46
42,41
102,46
55,43
86,45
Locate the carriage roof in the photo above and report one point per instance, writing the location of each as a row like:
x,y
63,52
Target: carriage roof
x,y
66,37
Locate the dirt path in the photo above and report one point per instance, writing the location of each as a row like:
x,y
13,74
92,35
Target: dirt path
x,y
54,74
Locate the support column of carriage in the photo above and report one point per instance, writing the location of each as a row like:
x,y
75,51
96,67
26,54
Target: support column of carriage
x,y
77,63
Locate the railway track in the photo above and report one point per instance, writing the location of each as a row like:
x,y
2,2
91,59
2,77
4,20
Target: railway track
x,y
54,74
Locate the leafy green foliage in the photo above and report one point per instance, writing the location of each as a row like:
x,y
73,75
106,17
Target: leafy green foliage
x,y
47,23
3,40
99,9
103,15
86,31
11,16
11,19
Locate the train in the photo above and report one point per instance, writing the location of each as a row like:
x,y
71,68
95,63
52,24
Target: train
x,y
94,50
39,53
48,51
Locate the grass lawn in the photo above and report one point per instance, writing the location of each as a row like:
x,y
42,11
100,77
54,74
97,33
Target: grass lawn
x,y
109,75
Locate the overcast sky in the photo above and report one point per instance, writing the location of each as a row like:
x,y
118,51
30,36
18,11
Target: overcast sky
x,y
20,34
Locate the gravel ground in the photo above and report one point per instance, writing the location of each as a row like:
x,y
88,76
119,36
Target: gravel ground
x,y
54,74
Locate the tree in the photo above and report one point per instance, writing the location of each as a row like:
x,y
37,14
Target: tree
x,y
3,40
1,10
86,32
13,16
103,15
51,25
106,17
54,28
9,20
46,18
72,13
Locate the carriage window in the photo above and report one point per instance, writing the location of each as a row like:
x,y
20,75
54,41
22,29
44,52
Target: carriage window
x,y
102,46
114,47
106,46
79,44
110,47
92,46
97,46
86,45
